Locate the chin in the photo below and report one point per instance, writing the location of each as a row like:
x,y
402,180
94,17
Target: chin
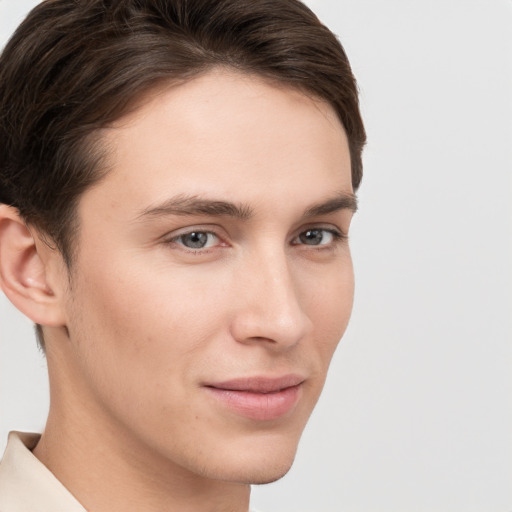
x,y
267,477
258,464
264,474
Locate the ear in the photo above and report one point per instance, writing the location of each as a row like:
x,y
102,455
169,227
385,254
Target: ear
x,y
28,274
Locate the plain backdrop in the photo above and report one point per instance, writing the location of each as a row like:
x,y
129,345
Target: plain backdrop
x,y
417,411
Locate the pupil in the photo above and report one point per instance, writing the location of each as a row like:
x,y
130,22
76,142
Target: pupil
x,y
311,237
195,240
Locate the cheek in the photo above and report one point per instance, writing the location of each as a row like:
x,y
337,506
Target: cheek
x,y
331,306
139,339
130,316
147,317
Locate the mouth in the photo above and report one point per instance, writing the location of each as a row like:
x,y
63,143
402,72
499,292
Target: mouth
x,y
259,398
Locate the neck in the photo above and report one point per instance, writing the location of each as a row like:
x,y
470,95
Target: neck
x,y
108,469
108,474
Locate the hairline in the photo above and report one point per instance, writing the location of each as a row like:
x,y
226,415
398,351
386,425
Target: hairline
x,y
96,143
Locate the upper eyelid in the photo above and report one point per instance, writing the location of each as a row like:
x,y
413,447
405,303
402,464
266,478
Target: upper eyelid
x,y
176,233
188,232
321,226
174,238
338,234
223,236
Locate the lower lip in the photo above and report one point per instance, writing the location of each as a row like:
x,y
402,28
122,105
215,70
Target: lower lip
x,y
259,406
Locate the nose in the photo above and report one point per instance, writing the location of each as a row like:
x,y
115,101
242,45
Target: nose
x,y
269,307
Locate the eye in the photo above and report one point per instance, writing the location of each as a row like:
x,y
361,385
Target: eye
x,y
197,240
317,236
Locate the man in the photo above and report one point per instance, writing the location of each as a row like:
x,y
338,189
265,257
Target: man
x,y
177,182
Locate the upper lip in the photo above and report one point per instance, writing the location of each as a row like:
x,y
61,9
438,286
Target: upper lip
x,y
259,384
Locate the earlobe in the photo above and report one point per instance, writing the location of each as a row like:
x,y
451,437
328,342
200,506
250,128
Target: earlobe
x,y
24,271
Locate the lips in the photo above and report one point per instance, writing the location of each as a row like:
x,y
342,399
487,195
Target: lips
x,y
258,398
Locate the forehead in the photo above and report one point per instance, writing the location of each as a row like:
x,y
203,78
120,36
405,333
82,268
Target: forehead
x,y
225,134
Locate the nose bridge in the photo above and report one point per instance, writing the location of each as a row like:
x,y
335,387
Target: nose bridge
x,y
271,308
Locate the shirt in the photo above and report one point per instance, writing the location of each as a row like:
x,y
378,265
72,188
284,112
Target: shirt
x,y
27,485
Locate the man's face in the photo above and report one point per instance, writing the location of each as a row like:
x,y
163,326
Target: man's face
x,y
213,279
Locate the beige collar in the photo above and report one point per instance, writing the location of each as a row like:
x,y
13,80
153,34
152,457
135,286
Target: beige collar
x,y
28,485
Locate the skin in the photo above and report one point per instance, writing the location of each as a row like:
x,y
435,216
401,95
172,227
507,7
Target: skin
x,y
143,323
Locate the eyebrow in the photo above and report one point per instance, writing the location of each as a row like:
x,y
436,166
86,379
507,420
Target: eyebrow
x,y
183,205
342,201
195,205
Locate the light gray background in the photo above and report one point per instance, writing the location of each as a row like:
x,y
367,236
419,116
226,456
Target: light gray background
x,y
417,411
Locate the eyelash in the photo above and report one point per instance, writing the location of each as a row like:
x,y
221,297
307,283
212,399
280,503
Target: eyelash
x,y
337,237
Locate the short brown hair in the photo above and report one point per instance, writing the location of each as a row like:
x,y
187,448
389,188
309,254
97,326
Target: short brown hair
x,y
75,66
